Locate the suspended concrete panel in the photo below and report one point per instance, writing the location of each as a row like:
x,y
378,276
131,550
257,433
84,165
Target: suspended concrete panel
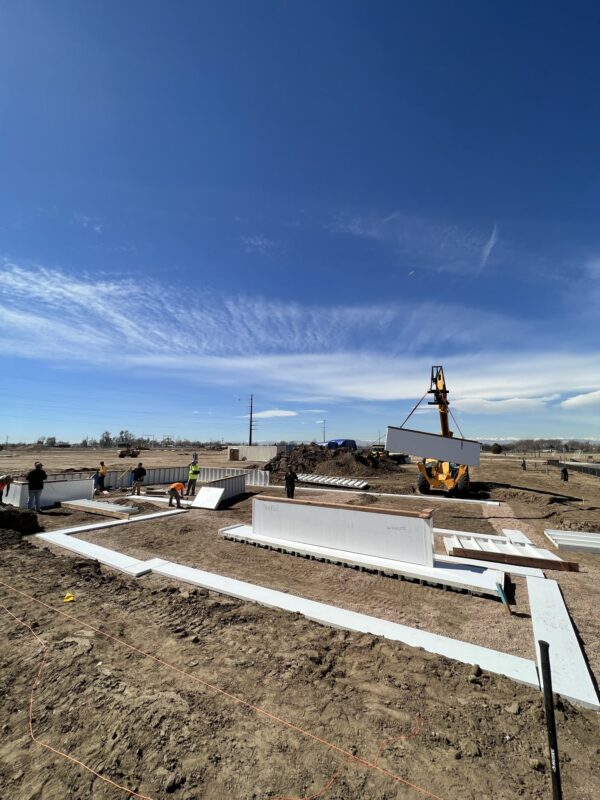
x,y
430,445
400,535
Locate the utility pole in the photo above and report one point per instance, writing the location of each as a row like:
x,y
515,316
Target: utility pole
x,y
251,426
324,421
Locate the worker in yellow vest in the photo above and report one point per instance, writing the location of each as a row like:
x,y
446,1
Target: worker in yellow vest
x,y
193,473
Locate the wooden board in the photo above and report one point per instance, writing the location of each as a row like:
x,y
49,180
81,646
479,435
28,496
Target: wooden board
x,y
525,561
103,509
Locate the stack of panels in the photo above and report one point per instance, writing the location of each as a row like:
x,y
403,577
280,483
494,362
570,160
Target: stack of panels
x,y
326,480
579,541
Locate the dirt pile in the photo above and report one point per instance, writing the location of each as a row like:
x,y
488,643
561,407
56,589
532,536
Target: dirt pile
x,y
22,522
340,462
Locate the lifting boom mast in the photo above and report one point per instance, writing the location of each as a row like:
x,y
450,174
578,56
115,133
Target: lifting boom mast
x,y
440,398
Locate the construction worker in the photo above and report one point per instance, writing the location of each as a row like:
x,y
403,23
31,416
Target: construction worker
x,y
193,473
139,473
175,493
290,482
5,482
101,476
564,475
35,484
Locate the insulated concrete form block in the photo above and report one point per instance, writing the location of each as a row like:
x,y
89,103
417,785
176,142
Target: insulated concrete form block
x,y
551,623
111,558
208,497
53,492
431,445
519,669
326,480
102,509
400,535
577,541
456,576
254,477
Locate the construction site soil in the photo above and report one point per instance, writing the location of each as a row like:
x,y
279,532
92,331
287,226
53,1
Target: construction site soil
x,y
374,719
340,461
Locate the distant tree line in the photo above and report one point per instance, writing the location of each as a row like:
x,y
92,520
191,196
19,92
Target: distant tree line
x,y
538,446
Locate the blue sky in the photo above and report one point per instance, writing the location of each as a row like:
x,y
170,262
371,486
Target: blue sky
x,y
313,202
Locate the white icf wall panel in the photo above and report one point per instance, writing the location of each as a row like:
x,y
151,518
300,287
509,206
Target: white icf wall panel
x,y
377,533
430,445
551,623
233,485
53,492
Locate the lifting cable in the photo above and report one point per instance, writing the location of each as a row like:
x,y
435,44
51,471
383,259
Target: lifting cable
x,y
415,408
354,759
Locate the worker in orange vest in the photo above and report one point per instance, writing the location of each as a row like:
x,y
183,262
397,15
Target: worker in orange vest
x,y
176,491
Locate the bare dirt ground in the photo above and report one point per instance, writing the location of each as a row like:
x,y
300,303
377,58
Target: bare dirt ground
x,y
164,733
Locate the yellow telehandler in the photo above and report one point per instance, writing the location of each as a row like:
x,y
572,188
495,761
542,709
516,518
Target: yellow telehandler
x,y
445,475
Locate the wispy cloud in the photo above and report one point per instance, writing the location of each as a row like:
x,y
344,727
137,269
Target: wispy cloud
x,y
487,248
310,354
91,223
258,243
419,241
273,412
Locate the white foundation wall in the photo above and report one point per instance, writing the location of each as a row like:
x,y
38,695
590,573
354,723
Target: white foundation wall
x,y
430,445
54,492
233,485
394,536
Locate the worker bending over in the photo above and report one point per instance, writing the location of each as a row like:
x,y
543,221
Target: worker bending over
x,y
176,491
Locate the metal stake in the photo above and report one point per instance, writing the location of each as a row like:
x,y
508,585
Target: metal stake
x,y
550,722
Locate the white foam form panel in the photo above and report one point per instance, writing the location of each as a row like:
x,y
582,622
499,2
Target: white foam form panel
x,y
512,569
506,539
373,533
551,623
457,576
423,497
519,669
208,497
95,526
431,445
578,541
111,558
487,545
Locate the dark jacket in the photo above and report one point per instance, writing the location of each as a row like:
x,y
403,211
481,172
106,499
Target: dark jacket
x,y
35,479
139,473
290,478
